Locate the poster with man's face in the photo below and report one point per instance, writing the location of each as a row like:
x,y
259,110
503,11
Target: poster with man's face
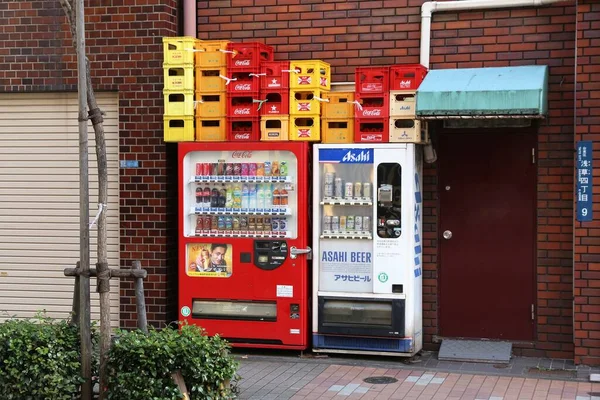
x,y
209,260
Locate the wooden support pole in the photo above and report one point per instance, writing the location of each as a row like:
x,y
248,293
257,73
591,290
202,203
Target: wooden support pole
x,y
75,309
140,299
114,273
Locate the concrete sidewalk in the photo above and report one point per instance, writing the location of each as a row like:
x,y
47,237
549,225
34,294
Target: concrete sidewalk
x,y
270,377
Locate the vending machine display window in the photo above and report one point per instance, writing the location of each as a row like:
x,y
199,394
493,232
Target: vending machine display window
x,y
389,200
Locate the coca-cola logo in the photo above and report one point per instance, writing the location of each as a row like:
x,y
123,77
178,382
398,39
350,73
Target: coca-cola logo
x,y
242,136
242,154
376,112
371,138
241,63
242,111
242,86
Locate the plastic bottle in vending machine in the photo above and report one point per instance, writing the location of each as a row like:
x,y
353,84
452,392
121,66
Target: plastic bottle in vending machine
x,y
206,198
228,196
275,168
214,198
268,196
260,197
283,168
276,198
199,197
222,197
252,197
237,195
284,197
245,196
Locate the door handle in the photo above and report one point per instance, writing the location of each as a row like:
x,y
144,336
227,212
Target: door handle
x,y
295,252
447,235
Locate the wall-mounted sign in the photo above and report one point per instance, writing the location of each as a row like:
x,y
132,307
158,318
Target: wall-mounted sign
x,y
584,181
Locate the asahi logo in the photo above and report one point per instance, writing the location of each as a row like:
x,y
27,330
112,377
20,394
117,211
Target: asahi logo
x,y
371,138
363,156
242,87
242,136
241,154
376,112
242,111
405,84
242,63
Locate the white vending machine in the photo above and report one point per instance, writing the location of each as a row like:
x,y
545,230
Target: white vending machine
x,y
367,246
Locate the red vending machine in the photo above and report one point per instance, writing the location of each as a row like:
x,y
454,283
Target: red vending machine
x,y
243,244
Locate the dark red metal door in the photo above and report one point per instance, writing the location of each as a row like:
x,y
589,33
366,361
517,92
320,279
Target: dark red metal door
x,y
487,202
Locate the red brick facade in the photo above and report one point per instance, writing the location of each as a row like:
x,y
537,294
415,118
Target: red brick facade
x,y
124,46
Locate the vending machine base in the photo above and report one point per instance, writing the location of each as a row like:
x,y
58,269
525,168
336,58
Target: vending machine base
x,y
363,345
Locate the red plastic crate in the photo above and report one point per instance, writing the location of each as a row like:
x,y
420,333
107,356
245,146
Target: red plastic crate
x,y
278,103
242,82
242,106
372,80
372,106
243,129
275,75
371,130
248,56
406,76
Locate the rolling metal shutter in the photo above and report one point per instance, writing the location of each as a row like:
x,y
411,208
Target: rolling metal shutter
x,y
39,202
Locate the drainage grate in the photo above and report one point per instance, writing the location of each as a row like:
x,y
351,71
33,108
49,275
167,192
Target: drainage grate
x,y
380,380
594,394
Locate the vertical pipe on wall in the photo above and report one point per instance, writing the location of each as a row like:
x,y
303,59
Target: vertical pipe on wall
x,y
189,18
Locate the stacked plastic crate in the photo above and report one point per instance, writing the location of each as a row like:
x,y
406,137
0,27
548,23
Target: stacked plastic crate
x,y
211,67
178,89
372,112
244,61
404,127
309,80
337,117
275,108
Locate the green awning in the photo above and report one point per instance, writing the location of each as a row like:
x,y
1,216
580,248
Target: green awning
x,y
505,92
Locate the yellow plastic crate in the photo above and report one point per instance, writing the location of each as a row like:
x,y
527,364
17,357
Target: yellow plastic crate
x,y
210,81
209,54
179,50
339,106
274,128
404,130
337,130
211,105
179,77
305,128
305,102
179,103
310,74
210,130
179,129
402,104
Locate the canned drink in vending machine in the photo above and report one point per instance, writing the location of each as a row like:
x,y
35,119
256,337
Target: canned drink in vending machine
x,y
367,190
335,223
259,223
235,223
328,190
350,223
267,223
244,169
214,223
338,190
198,169
221,223
357,189
214,169
343,223
244,223
275,224
366,224
274,168
229,169
260,169
199,224
237,169
207,223
267,168
251,169
283,225
327,222
205,169
349,190
283,168
221,168
228,223
358,223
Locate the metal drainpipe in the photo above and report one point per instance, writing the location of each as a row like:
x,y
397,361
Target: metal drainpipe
x,y
189,18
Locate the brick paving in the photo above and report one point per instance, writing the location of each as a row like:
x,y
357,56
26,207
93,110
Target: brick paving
x,y
289,377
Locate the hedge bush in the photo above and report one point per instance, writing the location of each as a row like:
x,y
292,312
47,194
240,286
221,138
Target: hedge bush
x,y
39,360
139,365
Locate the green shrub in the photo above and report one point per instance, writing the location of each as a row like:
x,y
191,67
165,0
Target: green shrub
x,y
139,365
39,360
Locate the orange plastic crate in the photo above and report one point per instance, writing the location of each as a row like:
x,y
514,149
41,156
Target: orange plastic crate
x,y
340,105
210,130
274,128
210,81
337,130
209,54
211,105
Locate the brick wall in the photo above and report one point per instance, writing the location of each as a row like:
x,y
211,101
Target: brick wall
x,y
348,34
124,45
587,234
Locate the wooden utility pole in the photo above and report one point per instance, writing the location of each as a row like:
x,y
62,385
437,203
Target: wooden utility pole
x,y
84,208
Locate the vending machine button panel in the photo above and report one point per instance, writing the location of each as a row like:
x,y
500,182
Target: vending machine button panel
x,y
270,254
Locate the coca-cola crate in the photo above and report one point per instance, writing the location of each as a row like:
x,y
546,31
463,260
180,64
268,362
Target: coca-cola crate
x,y
408,131
179,50
305,128
242,82
402,103
372,106
275,75
243,106
210,80
210,130
277,103
274,128
243,129
338,105
248,56
371,130
337,130
406,76
310,74
305,102
211,54
211,105
372,80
